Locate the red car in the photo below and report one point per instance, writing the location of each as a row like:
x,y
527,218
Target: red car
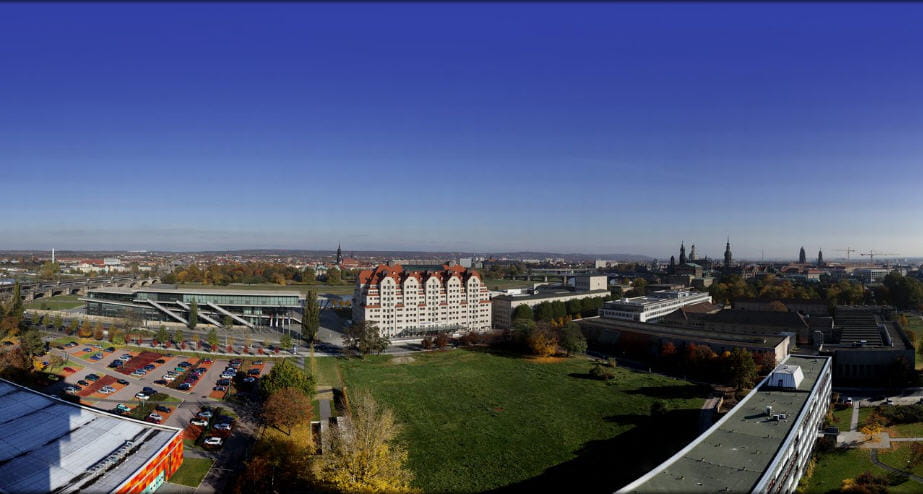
x,y
69,369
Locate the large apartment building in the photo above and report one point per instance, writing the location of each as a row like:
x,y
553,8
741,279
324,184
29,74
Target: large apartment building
x,y
408,302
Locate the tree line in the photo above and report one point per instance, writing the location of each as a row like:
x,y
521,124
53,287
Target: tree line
x,y
559,312
252,273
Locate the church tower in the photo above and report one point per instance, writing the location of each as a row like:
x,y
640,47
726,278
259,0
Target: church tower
x,y
672,268
682,253
820,258
727,255
801,257
339,254
692,254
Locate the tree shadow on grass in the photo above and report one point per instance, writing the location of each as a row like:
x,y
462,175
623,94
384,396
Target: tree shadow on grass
x,y
675,391
607,465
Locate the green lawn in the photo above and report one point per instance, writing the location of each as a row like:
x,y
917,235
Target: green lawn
x,y
328,373
60,302
841,418
839,464
192,471
494,284
476,421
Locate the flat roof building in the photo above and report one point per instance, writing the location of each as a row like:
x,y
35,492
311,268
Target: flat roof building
x,y
245,307
50,445
653,306
504,305
761,445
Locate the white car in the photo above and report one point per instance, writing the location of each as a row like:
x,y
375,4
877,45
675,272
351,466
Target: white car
x,y
205,414
213,441
70,390
223,427
155,416
106,390
199,422
125,358
169,378
142,396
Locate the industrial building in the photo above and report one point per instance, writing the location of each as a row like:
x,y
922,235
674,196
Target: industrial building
x,y
243,307
50,445
761,445
653,306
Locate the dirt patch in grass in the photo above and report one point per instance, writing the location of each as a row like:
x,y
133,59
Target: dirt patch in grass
x,y
402,360
547,360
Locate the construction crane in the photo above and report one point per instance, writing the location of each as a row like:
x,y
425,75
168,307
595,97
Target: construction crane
x,y
847,250
871,254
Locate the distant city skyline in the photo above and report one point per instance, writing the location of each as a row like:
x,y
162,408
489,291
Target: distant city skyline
x,y
571,128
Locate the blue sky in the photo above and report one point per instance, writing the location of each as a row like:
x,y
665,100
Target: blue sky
x,y
600,127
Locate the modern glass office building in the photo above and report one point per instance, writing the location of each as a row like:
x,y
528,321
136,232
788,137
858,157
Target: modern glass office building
x,y
216,307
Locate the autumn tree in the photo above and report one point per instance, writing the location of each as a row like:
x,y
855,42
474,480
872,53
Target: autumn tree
x,y
334,276
85,330
178,336
287,407
441,340
542,341
366,457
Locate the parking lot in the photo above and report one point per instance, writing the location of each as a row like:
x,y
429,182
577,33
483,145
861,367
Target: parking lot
x,y
126,384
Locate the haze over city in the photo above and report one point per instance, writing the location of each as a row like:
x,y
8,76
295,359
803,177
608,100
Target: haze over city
x,y
591,128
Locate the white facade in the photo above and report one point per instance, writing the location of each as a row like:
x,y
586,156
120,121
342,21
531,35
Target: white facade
x,y
653,306
398,301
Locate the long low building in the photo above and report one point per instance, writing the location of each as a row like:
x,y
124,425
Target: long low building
x,y
504,305
214,306
762,445
50,445
650,338
653,306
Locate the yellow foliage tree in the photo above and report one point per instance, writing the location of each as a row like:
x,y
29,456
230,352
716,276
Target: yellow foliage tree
x,y
364,457
543,342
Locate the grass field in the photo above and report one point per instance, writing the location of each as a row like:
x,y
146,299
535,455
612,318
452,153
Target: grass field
x,y
192,471
476,421
60,302
327,371
494,284
834,466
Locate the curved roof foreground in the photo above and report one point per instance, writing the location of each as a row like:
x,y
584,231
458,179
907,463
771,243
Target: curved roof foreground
x,y
49,445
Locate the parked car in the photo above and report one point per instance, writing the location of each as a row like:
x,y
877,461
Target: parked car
x,y
207,361
83,382
224,426
123,382
155,416
149,367
148,390
223,382
160,361
169,378
213,441
183,387
110,349
258,362
199,422
220,388
250,379
161,382
71,390
122,408
142,396
70,369
205,414
125,357
92,377
107,390
87,349
162,408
